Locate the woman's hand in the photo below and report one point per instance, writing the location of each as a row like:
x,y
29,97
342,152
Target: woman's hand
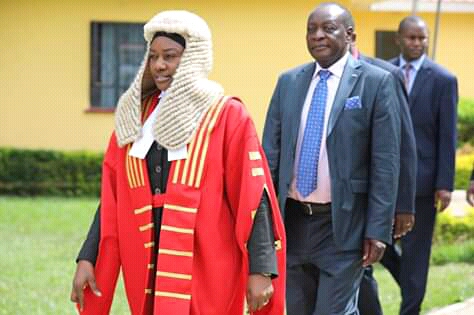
x,y
84,277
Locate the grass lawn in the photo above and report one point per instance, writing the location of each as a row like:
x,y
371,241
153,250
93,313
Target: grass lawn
x,y
447,284
40,237
39,240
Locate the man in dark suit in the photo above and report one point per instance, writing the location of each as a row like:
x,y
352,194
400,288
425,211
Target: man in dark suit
x,y
433,98
332,139
369,303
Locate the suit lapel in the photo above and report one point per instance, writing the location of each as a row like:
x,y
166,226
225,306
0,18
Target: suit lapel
x,y
395,61
350,75
423,74
302,82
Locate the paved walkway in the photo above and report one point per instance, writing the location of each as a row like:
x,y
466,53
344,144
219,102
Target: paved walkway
x,y
458,205
464,308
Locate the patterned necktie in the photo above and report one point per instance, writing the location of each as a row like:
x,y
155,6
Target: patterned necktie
x,y
407,68
307,177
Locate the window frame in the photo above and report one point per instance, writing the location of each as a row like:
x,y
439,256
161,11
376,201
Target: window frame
x,y
384,39
96,105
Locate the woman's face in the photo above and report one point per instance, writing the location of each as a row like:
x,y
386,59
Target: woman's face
x,y
164,57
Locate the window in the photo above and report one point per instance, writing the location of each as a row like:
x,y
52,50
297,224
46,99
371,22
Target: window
x,y
117,51
385,46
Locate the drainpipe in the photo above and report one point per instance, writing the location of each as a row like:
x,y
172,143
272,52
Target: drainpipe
x,y
414,7
435,35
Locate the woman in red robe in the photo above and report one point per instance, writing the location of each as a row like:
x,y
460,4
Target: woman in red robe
x,y
211,235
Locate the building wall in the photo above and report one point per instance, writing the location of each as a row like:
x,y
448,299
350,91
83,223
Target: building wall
x,y
45,59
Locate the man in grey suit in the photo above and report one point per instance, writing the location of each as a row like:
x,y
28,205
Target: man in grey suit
x,y
332,139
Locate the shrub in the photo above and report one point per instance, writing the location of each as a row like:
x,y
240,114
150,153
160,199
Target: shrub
x,y
450,229
453,239
464,165
453,253
47,172
465,121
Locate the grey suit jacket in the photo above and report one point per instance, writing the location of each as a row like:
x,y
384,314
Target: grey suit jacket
x,y
408,158
363,146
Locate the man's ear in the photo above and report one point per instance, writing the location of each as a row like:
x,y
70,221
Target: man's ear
x,y
353,37
350,34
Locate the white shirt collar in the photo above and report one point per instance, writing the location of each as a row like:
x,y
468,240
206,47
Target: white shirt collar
x,y
336,68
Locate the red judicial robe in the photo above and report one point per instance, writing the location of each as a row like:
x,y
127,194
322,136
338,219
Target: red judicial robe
x,y
201,264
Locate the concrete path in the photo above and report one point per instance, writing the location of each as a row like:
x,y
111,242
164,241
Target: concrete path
x,y
464,308
458,205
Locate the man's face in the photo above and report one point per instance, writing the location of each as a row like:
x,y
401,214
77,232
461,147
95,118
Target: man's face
x,y
327,38
413,40
163,60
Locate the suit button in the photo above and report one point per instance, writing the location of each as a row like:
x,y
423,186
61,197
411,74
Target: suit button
x,y
159,147
157,191
158,169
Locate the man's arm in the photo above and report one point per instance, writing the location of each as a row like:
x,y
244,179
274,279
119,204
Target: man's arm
x,y
408,158
447,117
405,205
271,140
384,170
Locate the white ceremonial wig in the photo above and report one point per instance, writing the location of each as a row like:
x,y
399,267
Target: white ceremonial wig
x,y
190,93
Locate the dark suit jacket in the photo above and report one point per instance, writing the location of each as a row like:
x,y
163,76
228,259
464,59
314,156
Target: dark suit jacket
x,y
363,148
408,159
433,101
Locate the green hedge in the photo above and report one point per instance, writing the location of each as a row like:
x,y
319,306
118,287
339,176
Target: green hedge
x,y
47,172
453,238
465,122
450,229
465,156
453,253
462,179
464,165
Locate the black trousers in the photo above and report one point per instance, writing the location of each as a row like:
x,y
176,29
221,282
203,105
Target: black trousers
x,y
410,269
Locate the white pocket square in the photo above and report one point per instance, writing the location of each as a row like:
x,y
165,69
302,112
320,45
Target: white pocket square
x,y
353,103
